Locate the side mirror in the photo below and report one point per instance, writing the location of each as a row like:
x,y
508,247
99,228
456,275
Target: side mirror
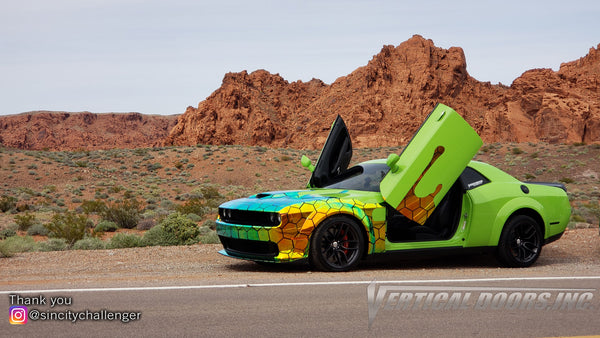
x,y
392,162
306,163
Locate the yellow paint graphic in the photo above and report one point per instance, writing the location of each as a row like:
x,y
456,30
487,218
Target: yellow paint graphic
x,y
418,208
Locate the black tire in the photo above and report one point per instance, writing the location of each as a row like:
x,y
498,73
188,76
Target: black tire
x,y
521,242
336,245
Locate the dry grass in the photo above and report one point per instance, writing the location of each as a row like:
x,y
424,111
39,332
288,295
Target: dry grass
x,y
163,178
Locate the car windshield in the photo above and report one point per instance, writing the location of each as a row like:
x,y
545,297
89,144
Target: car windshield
x,y
367,178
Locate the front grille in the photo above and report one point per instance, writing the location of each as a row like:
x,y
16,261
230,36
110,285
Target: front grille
x,y
248,217
246,247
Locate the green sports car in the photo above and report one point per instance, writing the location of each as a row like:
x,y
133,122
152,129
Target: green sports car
x,y
430,197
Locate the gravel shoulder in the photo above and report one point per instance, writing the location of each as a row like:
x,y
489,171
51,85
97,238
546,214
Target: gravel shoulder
x,y
577,253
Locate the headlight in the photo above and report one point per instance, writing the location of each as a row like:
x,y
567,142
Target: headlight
x,y
275,218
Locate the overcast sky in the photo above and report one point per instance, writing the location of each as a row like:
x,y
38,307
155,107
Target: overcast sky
x,y
158,57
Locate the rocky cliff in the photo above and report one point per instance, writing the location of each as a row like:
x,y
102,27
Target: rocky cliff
x,y
385,101
77,131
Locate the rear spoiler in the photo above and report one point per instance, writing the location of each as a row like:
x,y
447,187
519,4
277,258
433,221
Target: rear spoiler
x,y
551,184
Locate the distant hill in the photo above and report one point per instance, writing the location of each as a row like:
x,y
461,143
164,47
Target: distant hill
x,y
78,131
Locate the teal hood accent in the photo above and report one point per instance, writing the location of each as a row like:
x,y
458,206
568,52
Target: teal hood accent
x,y
274,201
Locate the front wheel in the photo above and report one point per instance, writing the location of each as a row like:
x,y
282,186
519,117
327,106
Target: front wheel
x,y
521,241
336,245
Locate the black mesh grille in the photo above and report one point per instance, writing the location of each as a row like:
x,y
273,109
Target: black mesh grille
x,y
247,217
246,247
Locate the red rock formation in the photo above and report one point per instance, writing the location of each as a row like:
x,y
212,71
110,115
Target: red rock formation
x,y
76,131
385,101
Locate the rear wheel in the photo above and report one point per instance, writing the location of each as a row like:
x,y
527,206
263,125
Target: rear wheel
x,y
521,242
336,245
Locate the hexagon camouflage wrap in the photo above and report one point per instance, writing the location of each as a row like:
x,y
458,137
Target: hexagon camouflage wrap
x,y
299,220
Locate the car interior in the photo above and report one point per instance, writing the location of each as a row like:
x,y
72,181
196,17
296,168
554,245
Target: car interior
x,y
443,222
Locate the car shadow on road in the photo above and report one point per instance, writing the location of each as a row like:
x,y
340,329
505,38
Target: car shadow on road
x,y
390,261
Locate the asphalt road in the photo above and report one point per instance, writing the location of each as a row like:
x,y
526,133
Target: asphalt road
x,y
324,308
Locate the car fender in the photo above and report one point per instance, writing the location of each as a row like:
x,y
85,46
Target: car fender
x,y
510,208
353,208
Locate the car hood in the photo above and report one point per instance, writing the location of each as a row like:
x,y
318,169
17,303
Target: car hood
x,y
274,201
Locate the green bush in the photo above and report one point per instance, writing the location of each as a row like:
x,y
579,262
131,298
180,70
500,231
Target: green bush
x,y
5,250
123,240
185,230
25,221
68,225
93,207
566,180
19,244
158,236
89,243
125,213
7,203
53,244
210,238
212,196
37,229
176,229
210,223
194,217
192,206
106,226
153,166
10,231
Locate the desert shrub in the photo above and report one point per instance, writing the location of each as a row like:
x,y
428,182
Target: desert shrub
x,y
176,229
53,244
7,203
210,192
210,238
22,207
566,180
123,240
516,151
25,221
89,243
153,166
185,230
158,236
19,244
5,250
93,207
9,231
125,213
106,226
192,206
194,217
37,229
68,225
146,224
167,204
210,223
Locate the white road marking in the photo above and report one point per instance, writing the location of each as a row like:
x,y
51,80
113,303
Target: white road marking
x,y
250,285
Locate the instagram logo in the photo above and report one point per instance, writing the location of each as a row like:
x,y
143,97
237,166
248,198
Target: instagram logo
x,y
18,315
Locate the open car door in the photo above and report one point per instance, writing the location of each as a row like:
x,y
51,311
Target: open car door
x,y
431,162
332,165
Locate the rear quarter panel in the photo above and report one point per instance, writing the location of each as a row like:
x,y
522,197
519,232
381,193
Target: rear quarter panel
x,y
494,203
